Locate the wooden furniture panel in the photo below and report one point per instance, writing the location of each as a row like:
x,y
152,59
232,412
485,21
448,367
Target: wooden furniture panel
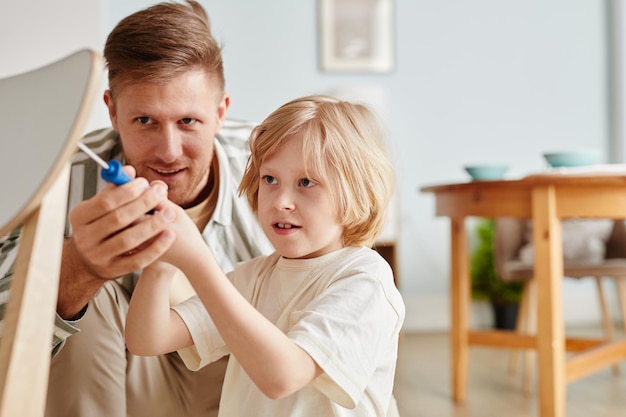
x,y
388,249
43,114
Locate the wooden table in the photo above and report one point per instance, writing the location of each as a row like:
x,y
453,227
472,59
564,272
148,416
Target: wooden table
x,y
546,199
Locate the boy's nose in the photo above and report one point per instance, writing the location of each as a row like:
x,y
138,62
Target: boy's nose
x,y
284,200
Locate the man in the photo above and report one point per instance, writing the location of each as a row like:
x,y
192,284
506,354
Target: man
x,y
167,106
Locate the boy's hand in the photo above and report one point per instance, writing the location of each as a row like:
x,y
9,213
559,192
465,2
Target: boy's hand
x,y
187,239
159,269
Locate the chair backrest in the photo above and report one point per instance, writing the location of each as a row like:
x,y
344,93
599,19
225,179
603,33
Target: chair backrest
x,y
43,114
616,246
40,111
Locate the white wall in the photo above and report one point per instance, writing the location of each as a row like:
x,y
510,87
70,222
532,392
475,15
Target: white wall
x,y
479,81
34,33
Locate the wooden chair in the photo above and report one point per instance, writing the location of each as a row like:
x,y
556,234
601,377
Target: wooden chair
x,y
43,114
510,238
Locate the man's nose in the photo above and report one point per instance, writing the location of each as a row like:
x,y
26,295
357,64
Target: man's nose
x,y
170,145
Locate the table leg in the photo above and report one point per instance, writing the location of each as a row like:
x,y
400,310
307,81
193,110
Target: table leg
x,y
459,308
550,328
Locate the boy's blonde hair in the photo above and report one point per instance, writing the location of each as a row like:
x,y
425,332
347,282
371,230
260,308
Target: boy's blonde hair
x,y
345,142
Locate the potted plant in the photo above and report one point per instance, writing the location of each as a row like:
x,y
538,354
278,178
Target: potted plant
x,y
504,297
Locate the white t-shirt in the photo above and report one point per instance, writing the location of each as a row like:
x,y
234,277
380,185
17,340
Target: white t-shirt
x,y
342,308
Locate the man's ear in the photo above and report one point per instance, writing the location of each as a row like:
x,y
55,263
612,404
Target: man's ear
x,y
108,100
222,108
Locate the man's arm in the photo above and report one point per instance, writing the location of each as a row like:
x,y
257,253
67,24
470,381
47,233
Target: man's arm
x,y
9,247
111,237
77,285
106,225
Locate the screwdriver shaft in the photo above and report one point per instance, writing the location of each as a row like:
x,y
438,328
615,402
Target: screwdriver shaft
x,y
93,155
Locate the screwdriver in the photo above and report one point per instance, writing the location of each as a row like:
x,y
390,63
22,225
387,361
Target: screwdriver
x,y
111,171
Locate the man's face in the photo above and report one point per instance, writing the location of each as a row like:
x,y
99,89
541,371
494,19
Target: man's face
x,y
167,131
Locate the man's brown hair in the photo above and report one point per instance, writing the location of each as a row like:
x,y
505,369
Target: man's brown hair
x,y
162,42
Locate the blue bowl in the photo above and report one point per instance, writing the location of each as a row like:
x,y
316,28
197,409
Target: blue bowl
x,y
572,158
486,172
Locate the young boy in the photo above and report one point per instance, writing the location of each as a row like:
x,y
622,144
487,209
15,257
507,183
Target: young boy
x,y
313,328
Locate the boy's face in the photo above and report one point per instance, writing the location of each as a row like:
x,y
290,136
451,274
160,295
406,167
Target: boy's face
x,y
295,210
167,131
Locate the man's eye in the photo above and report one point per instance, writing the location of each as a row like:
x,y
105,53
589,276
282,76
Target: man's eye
x,y
268,179
144,120
187,121
305,182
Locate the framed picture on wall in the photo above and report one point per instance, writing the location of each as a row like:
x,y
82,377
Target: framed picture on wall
x,y
356,35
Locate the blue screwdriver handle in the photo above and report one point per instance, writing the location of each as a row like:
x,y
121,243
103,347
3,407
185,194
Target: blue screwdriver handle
x,y
115,174
110,172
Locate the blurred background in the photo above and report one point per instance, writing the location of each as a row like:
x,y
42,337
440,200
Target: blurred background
x,y
482,81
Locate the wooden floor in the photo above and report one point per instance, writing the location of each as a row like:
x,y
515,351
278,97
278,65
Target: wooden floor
x,y
423,384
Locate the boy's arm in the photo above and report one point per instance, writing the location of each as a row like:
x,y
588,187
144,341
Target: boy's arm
x,y
277,366
152,328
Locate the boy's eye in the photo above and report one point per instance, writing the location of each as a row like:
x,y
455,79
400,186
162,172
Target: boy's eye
x,y
268,179
187,121
144,120
305,182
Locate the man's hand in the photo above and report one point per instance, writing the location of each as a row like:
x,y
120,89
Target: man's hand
x,y
112,236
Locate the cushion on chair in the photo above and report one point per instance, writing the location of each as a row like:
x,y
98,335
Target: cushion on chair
x,y
583,240
521,271
591,247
